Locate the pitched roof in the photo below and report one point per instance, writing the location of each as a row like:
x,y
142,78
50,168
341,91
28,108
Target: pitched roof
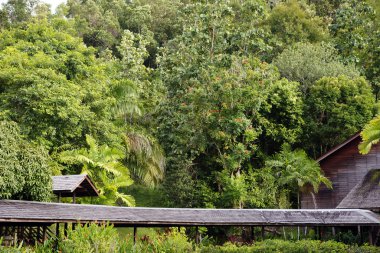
x,y
67,185
338,147
366,194
16,211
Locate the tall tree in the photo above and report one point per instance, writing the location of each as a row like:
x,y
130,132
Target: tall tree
x,y
294,21
53,86
17,11
210,132
336,108
138,92
356,33
24,167
306,63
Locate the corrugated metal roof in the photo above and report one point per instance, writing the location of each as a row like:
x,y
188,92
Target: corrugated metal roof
x,y
68,184
38,212
366,194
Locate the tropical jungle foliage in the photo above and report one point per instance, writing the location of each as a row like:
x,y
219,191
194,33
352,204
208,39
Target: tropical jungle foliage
x,y
212,103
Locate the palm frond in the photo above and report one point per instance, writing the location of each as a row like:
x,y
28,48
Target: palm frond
x,y
370,135
126,199
145,159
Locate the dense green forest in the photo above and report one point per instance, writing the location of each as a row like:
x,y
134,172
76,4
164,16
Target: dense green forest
x,y
184,103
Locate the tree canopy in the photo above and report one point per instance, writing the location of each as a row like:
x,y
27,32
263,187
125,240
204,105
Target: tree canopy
x,y
198,103
24,167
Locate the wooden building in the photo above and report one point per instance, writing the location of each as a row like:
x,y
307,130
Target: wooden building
x,y
366,194
353,177
74,186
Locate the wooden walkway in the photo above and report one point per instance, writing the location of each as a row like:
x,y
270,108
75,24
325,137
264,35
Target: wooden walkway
x,y
31,222
28,212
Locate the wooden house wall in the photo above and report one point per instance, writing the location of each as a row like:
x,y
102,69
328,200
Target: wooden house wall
x,y
345,168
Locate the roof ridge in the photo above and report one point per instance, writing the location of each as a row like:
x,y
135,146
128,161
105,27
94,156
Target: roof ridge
x,y
338,147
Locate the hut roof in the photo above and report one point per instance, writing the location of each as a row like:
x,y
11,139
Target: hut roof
x,y
16,211
338,147
80,185
366,194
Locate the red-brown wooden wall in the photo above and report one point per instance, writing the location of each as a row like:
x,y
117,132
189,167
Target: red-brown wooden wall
x,y
345,168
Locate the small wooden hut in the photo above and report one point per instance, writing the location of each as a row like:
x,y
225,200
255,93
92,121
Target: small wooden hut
x,y
74,186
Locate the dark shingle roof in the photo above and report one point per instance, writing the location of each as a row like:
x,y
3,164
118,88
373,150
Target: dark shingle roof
x,y
366,194
80,184
37,212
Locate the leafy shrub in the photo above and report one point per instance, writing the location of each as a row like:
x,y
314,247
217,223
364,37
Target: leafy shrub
x,y
170,242
307,246
104,239
347,238
93,238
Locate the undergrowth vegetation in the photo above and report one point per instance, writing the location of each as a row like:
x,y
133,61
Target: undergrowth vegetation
x,y
106,239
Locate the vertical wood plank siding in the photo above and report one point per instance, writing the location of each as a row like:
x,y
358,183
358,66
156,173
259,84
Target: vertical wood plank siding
x,y
345,168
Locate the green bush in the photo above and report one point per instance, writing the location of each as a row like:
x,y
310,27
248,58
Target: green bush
x,y
307,246
171,241
93,238
105,239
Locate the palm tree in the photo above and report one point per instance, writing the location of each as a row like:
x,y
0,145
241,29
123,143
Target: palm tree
x,y
295,169
144,155
103,164
145,158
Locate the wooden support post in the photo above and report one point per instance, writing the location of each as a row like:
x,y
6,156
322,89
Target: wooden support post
x,y
360,234
262,233
30,234
252,233
179,229
134,235
38,234
370,237
44,228
333,231
59,197
65,229
57,230
298,233
74,195
197,241
14,234
318,233
22,232
73,226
